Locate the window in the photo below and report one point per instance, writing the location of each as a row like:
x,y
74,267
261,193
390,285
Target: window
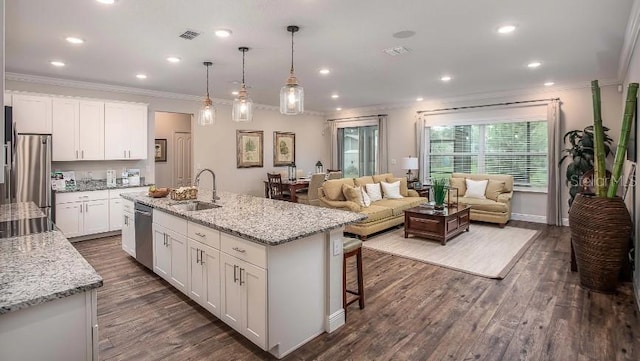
x,y
358,150
515,148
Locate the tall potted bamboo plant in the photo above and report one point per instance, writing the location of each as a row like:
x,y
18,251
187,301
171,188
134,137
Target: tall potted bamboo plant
x,y
600,223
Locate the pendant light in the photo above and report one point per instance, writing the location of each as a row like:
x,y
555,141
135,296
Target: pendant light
x,y
242,105
207,114
292,94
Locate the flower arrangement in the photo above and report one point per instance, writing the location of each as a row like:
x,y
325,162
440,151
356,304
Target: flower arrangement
x,y
439,192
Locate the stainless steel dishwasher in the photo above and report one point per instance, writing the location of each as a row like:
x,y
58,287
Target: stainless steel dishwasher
x,y
144,235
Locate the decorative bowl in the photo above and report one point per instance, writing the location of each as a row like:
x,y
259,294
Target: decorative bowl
x,y
159,193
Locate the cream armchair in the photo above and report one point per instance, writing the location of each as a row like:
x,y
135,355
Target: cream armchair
x,y
496,208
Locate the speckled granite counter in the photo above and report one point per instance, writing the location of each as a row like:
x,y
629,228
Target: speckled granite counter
x,y
17,211
99,185
260,220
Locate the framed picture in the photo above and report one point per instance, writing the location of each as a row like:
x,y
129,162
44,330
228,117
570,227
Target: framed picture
x,y
160,150
249,144
284,148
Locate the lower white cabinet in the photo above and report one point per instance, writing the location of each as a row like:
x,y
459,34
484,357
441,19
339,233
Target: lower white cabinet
x,y
69,219
128,232
204,276
170,253
161,252
117,206
82,213
96,216
178,245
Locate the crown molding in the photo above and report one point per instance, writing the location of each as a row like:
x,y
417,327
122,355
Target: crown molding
x,y
472,97
630,40
37,79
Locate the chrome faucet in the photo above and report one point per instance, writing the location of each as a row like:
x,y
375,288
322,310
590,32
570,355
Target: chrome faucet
x,y
214,198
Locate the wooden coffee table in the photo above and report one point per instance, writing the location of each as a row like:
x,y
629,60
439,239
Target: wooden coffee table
x,y
436,225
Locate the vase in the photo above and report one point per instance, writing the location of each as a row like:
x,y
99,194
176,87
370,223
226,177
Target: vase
x,y
600,231
438,207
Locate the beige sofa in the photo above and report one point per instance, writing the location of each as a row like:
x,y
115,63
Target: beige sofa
x,y
496,208
381,215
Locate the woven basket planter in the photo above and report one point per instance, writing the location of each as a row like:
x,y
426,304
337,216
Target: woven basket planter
x,y
600,231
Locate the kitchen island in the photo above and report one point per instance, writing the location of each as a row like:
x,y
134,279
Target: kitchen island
x,y
47,294
272,270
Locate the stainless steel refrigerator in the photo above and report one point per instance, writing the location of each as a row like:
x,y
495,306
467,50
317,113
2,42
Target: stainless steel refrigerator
x,y
28,170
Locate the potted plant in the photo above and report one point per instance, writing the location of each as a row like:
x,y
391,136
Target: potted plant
x,y
600,223
439,192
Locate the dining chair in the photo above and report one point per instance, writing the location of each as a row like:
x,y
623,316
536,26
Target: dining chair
x,y
333,170
275,186
334,175
311,196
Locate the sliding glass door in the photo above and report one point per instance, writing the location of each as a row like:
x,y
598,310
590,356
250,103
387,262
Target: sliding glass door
x,y
358,150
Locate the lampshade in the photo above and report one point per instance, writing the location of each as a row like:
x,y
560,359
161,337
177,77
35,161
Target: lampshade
x,y
207,113
409,163
242,110
292,94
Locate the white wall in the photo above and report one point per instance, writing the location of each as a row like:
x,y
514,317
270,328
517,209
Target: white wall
x,y
576,113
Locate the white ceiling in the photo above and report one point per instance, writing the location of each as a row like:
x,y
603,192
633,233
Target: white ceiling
x,y
576,40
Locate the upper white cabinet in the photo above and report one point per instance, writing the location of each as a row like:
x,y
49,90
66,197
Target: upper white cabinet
x,y
32,113
125,131
78,129
91,134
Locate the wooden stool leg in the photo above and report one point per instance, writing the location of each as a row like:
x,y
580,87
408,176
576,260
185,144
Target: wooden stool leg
x,y
344,285
360,279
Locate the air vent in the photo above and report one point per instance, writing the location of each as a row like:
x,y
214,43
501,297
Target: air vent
x,y
189,34
398,50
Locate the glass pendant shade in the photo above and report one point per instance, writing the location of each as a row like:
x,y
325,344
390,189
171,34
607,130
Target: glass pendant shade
x,y
242,107
207,113
292,94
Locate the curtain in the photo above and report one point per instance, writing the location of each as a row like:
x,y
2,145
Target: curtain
x,y
383,145
334,146
420,144
554,192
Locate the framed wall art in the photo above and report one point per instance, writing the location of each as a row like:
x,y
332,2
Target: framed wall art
x,y
284,148
161,150
249,144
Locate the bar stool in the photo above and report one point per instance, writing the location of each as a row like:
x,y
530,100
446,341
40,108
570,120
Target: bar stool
x,y
352,247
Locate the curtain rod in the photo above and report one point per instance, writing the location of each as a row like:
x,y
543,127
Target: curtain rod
x,y
362,116
485,105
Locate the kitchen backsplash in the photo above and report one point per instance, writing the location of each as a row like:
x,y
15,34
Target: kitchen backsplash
x,y
98,170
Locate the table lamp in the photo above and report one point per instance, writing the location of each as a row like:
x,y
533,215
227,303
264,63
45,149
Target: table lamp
x,y
409,163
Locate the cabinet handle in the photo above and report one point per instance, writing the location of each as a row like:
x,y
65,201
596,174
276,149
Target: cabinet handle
x,y
129,154
76,154
201,256
200,234
125,220
235,277
165,239
86,207
82,152
239,250
241,282
197,255
125,154
81,208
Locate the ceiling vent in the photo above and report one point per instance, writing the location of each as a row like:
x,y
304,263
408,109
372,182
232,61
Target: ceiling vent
x,y
189,34
398,50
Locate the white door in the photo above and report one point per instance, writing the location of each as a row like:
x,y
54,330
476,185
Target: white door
x,y
69,218
116,134
211,262
161,252
138,118
129,234
179,267
230,292
254,303
91,133
115,214
64,136
181,159
196,272
96,216
32,113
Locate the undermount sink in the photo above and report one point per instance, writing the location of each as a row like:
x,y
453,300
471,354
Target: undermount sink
x,y
194,206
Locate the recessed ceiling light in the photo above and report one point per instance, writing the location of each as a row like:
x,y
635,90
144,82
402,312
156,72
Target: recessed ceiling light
x,y
108,2
549,83
57,63
235,92
419,99
141,76
534,64
335,96
324,71
338,109
223,33
173,59
506,29
445,78
74,40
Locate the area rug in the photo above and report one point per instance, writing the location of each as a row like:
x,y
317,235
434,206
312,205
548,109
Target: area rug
x,y
486,250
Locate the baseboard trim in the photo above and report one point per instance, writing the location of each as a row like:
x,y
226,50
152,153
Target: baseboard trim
x,y
336,320
528,218
565,222
94,236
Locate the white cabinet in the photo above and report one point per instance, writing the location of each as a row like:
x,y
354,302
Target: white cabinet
x,y
118,205
32,113
82,213
170,249
125,131
179,268
128,228
243,297
161,252
7,99
78,129
204,276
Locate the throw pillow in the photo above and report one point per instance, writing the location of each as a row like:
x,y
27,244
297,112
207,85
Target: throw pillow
x,y
404,190
495,188
391,190
460,184
476,188
352,194
373,190
366,201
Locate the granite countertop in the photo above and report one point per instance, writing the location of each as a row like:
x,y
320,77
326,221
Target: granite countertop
x,y
99,185
18,211
256,219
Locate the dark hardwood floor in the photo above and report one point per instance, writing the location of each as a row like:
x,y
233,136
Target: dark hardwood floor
x,y
414,311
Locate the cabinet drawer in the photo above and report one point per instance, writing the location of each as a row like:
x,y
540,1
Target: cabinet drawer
x,y
127,206
424,224
81,196
115,193
173,223
244,250
206,235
